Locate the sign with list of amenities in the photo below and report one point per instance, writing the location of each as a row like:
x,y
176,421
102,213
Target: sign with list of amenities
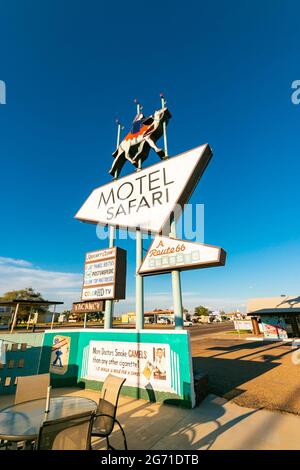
x,y
104,274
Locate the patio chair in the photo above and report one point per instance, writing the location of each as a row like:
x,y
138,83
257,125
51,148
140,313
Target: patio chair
x,y
70,433
32,387
107,409
29,387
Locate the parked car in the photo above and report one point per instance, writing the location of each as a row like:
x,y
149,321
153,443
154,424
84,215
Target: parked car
x,y
162,321
187,323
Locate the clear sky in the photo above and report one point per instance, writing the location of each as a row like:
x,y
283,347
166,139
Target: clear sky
x,y
226,68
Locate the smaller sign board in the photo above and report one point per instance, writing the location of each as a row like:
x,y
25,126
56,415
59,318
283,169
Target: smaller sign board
x,y
167,254
274,327
104,274
243,325
88,307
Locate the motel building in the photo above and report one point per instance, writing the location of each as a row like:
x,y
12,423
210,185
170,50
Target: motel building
x,y
277,317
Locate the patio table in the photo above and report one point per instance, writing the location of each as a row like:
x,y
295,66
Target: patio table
x,y
22,422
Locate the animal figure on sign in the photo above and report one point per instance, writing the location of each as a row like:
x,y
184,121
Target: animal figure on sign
x,y
143,135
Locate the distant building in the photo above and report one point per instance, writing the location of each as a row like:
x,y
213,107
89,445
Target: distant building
x,y
128,317
153,316
279,316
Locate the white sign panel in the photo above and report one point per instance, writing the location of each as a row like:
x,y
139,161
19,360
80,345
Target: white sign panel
x,y
104,274
166,254
142,364
245,325
146,198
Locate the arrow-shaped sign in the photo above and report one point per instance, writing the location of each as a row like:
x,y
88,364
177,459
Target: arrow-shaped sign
x,y
168,254
145,199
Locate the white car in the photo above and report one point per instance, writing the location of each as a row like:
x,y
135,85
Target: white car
x,y
162,321
187,323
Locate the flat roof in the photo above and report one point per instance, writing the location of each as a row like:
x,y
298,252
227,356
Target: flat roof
x,y
284,304
5,303
269,312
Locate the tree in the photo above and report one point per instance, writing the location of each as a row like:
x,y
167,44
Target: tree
x,y
201,310
25,294
224,315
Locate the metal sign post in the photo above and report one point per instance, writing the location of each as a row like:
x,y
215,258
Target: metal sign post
x,y
176,281
109,305
176,287
139,281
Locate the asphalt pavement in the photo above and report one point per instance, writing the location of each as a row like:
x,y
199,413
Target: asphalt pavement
x,y
255,374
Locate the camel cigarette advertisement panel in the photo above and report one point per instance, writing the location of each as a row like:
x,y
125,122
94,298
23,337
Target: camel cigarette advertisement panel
x,y
167,254
145,199
142,364
104,274
156,364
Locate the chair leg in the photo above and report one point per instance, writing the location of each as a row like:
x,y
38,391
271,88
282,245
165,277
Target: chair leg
x,y
124,437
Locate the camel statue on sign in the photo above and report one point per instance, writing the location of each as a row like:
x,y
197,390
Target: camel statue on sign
x,y
144,133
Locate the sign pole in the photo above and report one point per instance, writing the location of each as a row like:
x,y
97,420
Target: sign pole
x,y
176,281
176,287
163,105
139,281
53,317
109,306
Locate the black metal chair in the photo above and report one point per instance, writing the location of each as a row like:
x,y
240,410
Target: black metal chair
x,y
105,418
70,433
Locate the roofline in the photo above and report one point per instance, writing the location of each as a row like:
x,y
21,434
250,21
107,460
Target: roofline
x,y
29,302
272,311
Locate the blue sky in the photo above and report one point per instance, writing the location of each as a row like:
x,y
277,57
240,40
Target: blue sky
x,y
226,69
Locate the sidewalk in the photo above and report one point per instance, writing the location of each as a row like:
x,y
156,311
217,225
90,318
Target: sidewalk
x,y
215,424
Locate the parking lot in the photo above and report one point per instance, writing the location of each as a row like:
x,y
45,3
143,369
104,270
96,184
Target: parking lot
x,y
251,373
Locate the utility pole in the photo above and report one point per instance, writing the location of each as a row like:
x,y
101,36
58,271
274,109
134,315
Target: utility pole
x,y
139,280
109,304
176,280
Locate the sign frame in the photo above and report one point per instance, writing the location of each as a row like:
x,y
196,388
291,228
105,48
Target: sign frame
x,y
163,270
119,283
181,200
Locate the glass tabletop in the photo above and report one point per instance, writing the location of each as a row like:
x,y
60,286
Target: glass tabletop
x,y
22,422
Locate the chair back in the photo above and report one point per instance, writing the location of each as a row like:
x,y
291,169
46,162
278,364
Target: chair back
x,y
108,403
32,387
71,433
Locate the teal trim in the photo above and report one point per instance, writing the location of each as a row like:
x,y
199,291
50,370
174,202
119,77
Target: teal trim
x,y
181,378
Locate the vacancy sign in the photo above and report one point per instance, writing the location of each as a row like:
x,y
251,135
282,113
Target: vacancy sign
x,y
145,199
168,254
104,274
